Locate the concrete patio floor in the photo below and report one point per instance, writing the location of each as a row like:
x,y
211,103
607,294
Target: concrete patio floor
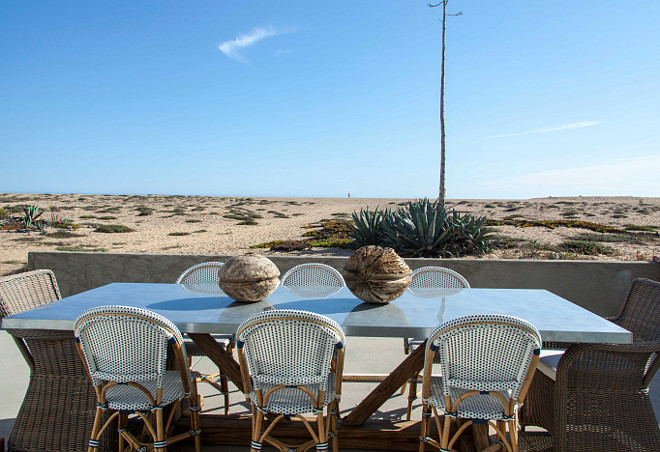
x,y
363,356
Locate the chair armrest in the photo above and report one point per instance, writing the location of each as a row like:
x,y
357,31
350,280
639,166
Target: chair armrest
x,y
594,367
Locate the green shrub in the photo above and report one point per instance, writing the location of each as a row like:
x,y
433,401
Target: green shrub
x,y
178,234
366,228
422,229
112,228
586,247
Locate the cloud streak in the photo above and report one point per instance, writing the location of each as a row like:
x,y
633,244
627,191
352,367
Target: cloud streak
x,y
575,125
231,48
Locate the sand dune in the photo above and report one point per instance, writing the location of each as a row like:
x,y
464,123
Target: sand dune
x,y
199,224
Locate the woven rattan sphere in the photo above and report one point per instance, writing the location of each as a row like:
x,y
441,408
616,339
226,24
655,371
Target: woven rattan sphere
x,y
249,278
376,275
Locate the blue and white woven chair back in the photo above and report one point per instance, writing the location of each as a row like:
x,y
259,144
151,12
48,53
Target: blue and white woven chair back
x,y
125,344
437,278
289,347
313,280
202,278
485,352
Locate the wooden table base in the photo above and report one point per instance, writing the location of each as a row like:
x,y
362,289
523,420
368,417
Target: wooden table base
x,y
374,434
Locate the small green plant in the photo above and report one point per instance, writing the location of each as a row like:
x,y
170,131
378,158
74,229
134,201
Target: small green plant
x,y
192,220
586,247
178,234
649,228
144,211
3,213
112,228
30,216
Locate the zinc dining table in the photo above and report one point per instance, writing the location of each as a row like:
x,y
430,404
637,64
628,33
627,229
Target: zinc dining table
x,y
201,311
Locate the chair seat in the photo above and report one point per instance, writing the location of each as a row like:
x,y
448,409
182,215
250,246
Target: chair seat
x,y
123,397
548,362
192,349
481,406
292,401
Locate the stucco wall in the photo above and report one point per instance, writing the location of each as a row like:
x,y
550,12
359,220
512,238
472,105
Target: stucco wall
x,y
600,287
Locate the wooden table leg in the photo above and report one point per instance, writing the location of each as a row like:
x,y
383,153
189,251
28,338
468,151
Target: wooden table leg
x,y
217,353
410,366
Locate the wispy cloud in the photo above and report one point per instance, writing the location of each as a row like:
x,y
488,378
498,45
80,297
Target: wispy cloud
x,y
231,48
632,175
575,125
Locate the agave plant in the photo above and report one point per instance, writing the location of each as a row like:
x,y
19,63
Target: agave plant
x,y
367,226
30,216
423,229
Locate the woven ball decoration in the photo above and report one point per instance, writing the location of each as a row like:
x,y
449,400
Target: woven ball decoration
x,y
376,275
249,278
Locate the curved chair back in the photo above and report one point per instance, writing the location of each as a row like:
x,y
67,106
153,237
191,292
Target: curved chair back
x,y
204,273
485,352
641,311
313,274
28,290
128,344
288,347
437,278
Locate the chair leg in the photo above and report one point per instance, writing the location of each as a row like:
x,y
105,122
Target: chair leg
x,y
257,420
122,424
224,385
161,439
94,440
412,395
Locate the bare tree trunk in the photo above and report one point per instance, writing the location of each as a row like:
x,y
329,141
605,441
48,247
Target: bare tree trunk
x,y
441,194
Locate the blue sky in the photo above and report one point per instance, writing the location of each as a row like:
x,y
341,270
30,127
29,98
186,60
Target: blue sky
x,y
299,98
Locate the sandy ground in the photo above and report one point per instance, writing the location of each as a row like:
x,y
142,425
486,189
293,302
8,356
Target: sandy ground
x,y
197,224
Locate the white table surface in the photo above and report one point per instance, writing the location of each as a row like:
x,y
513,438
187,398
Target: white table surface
x,y
205,309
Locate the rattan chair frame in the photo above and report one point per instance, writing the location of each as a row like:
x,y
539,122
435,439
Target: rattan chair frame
x,y
600,400
259,394
155,333
313,274
206,273
437,345
59,393
425,277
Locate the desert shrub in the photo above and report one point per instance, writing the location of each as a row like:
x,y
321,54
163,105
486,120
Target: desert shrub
x,y
112,228
586,247
178,234
366,228
422,229
144,210
30,217
635,227
3,213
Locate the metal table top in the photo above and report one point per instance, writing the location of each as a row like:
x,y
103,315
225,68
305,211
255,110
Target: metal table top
x,y
205,309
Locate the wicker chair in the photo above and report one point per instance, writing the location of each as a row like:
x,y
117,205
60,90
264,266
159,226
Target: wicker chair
x,y
57,376
487,363
595,396
427,282
125,350
204,278
313,280
292,364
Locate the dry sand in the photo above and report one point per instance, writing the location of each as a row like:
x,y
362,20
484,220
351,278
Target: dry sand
x,y
199,224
